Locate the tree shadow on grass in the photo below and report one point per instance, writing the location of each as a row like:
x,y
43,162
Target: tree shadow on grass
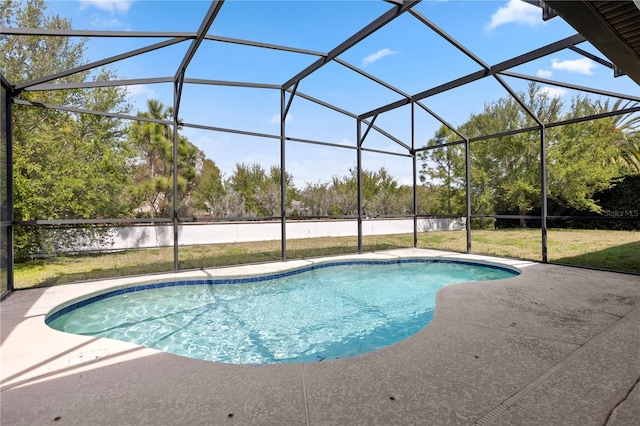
x,y
275,255
211,261
622,258
98,274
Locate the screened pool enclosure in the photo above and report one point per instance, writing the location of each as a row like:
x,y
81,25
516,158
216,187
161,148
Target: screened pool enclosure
x,y
298,110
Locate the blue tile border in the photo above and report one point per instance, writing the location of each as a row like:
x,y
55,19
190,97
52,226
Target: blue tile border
x,y
246,280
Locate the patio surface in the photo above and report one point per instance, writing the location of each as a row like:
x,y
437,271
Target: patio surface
x,y
554,346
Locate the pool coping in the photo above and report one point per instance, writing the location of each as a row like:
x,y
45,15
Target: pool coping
x,y
520,381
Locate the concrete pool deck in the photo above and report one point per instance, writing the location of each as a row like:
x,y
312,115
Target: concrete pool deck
x,y
553,346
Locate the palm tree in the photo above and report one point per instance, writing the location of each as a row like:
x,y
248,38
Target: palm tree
x,y
627,137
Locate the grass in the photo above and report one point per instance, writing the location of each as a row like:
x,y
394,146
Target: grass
x,y
65,269
4,280
614,250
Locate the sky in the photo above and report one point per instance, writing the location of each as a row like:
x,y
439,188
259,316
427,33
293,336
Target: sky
x,y
405,54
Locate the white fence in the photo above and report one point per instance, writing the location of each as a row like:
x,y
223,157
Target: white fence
x,y
153,236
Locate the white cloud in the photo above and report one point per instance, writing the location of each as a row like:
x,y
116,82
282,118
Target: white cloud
x,y
275,119
378,55
581,66
105,23
113,6
140,90
553,92
518,12
202,140
544,73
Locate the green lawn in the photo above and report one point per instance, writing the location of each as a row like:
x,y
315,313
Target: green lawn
x,y
615,250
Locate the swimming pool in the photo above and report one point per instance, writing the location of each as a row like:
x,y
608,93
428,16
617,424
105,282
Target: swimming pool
x,y
324,311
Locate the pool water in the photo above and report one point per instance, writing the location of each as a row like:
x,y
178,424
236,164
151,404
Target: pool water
x,y
322,313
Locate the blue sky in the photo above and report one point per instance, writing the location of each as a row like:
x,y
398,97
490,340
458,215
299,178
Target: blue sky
x,y
405,53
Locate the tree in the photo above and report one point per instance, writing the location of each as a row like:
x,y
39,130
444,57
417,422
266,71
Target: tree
x,y
246,181
209,189
427,197
259,190
66,165
318,198
582,158
627,138
153,178
268,196
29,57
445,167
380,194
505,171
630,153
386,199
579,156
346,194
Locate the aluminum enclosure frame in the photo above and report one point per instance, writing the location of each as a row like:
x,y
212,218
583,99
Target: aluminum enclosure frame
x,y
288,91
6,205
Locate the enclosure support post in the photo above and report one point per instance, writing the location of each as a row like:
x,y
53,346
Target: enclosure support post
x,y
467,171
176,100
415,172
8,221
284,109
543,190
359,182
